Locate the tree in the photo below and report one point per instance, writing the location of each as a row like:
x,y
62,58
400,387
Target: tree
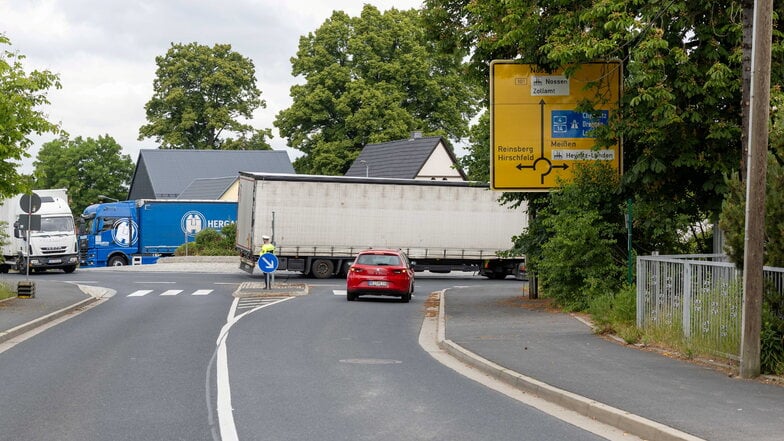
x,y
371,78
21,97
680,115
200,95
86,167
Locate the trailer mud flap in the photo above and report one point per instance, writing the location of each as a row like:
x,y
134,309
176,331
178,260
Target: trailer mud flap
x,y
247,265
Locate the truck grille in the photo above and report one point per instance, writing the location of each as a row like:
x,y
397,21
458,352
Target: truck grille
x,y
53,250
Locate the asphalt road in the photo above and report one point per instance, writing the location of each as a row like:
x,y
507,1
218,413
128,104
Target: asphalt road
x,y
144,365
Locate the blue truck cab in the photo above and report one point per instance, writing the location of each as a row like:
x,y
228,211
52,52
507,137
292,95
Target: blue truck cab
x,y
141,231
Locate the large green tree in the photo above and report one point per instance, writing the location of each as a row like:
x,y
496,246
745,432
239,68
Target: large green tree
x,y
86,167
681,111
371,78
201,95
22,96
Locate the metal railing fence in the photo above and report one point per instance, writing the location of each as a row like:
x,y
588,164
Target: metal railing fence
x,y
700,296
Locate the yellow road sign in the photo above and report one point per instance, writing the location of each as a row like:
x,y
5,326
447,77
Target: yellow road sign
x,y
536,135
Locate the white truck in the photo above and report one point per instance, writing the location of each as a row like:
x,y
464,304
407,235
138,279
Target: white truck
x,y
53,244
319,223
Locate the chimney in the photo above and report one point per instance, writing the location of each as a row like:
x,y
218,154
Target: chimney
x,y
416,135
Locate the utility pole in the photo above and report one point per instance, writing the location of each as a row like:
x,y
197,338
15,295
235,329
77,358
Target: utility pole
x,y
755,189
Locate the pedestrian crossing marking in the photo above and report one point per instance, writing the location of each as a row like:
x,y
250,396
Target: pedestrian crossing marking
x,y
139,293
171,292
339,292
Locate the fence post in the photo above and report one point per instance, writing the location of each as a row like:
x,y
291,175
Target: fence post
x,y
687,299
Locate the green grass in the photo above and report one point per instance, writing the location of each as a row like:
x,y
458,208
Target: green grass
x,y
5,291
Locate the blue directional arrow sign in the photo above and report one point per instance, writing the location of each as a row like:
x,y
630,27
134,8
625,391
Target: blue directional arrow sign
x,y
268,263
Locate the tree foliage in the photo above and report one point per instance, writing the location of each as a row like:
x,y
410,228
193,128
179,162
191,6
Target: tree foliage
x,y
371,78
86,167
201,95
22,95
575,242
680,115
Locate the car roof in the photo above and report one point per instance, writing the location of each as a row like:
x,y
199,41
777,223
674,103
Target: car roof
x,y
380,251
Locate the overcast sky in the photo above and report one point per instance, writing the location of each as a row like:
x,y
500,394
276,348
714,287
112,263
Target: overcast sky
x,y
104,52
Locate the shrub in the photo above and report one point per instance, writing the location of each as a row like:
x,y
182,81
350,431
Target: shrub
x,y
210,242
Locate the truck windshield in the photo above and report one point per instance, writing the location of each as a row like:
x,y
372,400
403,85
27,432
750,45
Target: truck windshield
x,y
58,223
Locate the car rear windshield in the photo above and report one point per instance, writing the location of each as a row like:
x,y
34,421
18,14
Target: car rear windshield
x,y
378,259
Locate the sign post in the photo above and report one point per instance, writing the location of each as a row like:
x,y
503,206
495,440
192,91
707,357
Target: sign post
x,y
29,203
537,135
268,263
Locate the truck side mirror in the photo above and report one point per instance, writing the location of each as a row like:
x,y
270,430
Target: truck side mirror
x,y
18,232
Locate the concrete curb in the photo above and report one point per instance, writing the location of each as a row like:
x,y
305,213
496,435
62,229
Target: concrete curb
x,y
94,293
622,420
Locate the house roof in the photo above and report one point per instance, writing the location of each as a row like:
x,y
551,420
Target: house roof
x,y
207,188
166,173
402,159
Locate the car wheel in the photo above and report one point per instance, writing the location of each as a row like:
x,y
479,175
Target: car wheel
x,y
405,298
350,296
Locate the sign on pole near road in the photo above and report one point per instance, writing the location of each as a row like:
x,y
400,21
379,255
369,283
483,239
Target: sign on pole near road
x,y
536,133
268,263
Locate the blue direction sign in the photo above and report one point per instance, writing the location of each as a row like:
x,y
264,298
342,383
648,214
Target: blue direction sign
x,y
268,263
572,124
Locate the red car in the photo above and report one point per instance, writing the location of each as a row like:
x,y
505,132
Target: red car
x,y
380,272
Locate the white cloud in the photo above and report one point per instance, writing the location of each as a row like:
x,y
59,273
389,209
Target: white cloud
x,y
104,52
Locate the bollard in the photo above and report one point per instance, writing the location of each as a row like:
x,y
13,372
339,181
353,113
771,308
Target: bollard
x,y
25,289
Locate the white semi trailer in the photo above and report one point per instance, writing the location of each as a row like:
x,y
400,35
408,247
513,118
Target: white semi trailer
x,y
319,223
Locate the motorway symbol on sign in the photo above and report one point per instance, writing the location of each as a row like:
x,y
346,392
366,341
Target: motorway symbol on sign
x,y
268,263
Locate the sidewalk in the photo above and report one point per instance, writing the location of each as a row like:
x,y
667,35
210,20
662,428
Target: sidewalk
x,y
562,352
52,300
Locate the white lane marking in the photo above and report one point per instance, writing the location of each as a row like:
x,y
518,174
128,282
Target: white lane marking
x,y
228,430
339,292
171,292
154,283
201,292
139,293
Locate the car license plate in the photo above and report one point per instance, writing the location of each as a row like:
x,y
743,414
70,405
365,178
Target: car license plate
x,y
377,283
55,260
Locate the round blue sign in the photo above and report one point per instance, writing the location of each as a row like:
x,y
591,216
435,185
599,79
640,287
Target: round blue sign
x,y
268,263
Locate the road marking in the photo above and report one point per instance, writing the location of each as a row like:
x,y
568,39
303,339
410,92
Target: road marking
x,y
139,293
226,425
171,292
339,292
201,292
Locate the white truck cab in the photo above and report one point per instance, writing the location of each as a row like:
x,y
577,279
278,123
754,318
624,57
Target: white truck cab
x,y
52,244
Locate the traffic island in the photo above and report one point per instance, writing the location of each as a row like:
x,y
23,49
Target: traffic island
x,y
257,289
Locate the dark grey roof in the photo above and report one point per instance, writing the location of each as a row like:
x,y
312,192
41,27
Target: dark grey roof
x,y
397,159
162,174
207,188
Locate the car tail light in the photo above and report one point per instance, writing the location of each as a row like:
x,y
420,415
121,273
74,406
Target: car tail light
x,y
356,270
398,271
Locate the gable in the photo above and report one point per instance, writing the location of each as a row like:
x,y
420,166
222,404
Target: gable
x,y
407,159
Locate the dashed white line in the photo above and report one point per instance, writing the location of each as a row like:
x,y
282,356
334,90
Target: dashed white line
x,y
171,292
201,292
139,293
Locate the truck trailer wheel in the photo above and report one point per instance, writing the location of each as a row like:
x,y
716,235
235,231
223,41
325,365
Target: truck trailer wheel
x,y
117,261
322,268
